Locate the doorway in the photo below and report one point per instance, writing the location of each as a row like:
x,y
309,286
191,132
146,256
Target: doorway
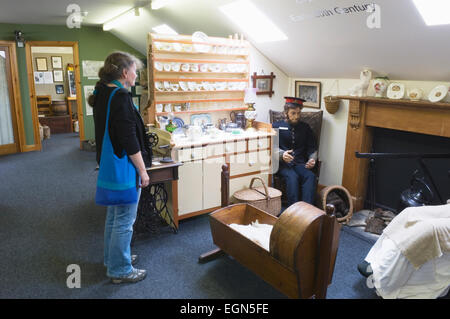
x,y
55,91
12,139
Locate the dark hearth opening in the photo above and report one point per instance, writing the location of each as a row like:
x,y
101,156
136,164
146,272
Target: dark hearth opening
x,y
393,176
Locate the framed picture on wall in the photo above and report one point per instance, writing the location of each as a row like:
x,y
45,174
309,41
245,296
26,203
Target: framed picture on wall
x,y
59,89
56,62
310,92
58,76
264,83
41,64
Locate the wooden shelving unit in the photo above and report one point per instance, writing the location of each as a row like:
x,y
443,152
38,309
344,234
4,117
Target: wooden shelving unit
x,y
203,111
44,103
228,55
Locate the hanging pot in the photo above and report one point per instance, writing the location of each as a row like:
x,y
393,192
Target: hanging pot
x,y
418,194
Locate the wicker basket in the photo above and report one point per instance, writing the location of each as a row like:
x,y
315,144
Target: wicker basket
x,y
265,198
325,198
332,104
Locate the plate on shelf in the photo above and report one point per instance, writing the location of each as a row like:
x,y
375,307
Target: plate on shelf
x,y
178,122
177,47
438,93
192,86
396,91
167,67
200,37
187,47
242,86
159,86
199,119
183,85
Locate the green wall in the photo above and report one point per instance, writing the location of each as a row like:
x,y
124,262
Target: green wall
x,y
93,44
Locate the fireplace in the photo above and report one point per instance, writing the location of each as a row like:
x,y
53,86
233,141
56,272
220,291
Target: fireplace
x,y
368,113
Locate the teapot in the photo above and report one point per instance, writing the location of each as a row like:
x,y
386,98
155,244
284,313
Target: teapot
x,y
238,118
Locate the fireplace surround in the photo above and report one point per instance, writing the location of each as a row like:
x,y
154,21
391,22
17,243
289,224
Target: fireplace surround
x,y
367,113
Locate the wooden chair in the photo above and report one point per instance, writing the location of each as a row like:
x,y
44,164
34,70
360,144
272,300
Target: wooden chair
x,y
303,244
314,120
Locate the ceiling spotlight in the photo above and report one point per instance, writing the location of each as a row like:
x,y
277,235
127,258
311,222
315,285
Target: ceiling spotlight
x,y
122,19
20,40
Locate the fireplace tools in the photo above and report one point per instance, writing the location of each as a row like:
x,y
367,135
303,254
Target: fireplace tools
x,y
420,192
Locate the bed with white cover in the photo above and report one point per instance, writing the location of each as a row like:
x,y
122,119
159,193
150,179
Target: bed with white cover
x,y
411,259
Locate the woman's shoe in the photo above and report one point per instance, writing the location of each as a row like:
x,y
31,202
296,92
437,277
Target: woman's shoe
x,y
365,269
135,276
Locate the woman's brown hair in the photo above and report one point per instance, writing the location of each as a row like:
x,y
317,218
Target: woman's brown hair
x,y
113,68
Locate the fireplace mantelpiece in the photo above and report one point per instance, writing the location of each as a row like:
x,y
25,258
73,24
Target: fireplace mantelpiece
x,y
365,113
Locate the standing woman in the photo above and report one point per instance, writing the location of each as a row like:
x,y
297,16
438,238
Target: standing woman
x,y
113,104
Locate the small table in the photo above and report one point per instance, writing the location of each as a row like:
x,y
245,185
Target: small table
x,y
154,197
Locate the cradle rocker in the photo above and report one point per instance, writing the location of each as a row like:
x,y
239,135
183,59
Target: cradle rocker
x,y
303,246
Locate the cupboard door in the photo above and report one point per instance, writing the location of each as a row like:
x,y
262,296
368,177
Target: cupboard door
x,y
190,188
212,169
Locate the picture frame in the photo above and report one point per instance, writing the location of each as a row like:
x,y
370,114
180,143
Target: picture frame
x,y
59,89
310,91
58,76
71,80
56,62
264,83
41,64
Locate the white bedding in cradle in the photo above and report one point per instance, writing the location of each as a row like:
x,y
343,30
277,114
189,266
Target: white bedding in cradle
x,y
256,232
395,277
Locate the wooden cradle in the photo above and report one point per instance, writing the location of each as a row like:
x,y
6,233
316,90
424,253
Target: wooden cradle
x,y
303,245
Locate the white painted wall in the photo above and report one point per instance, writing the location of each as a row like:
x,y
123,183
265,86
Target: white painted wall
x,y
259,63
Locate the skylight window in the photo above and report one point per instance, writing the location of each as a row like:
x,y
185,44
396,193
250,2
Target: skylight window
x,y
434,12
164,29
252,21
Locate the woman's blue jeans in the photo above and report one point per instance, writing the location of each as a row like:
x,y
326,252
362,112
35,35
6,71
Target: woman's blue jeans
x,y
297,176
118,234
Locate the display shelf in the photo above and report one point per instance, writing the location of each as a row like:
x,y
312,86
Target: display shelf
x,y
204,111
201,53
220,41
200,80
193,72
200,101
197,92
201,61
221,51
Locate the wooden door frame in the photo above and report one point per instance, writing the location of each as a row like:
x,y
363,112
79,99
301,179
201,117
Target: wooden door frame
x,y
16,102
32,89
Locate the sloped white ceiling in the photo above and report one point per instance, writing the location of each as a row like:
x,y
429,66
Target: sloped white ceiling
x,y
335,46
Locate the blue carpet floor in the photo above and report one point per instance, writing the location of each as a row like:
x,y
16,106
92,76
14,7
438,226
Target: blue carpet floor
x,y
48,220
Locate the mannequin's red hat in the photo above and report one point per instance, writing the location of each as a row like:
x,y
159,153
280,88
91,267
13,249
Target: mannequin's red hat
x,y
295,100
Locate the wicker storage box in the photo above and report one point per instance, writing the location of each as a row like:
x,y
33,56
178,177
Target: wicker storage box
x,y
265,198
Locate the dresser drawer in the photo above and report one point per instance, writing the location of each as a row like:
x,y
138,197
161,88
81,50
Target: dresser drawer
x,y
234,147
214,150
249,162
190,154
258,144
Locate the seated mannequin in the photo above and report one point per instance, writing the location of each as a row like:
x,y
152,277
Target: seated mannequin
x,y
297,153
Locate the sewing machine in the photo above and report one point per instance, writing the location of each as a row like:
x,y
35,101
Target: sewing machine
x,y
160,141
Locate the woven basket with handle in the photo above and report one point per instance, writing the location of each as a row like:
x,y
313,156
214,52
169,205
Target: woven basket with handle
x,y
265,198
